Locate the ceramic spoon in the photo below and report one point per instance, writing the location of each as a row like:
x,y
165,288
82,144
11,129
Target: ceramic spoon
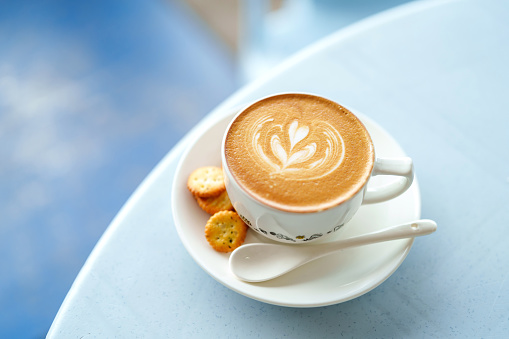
x,y
261,261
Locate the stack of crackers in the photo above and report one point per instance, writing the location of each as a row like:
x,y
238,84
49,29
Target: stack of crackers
x,y
225,230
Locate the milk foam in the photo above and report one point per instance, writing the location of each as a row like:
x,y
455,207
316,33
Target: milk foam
x,y
302,158
299,153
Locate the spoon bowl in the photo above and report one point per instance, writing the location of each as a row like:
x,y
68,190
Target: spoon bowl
x,y
261,261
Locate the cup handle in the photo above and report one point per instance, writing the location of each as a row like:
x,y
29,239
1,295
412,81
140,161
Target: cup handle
x,y
390,166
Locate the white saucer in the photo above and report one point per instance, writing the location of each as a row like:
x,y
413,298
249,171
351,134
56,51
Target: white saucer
x,y
326,281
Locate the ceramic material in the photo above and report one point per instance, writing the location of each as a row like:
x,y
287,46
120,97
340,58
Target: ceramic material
x,y
356,271
300,228
262,262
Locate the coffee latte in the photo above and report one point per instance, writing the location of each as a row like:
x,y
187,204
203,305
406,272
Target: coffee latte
x,y
299,152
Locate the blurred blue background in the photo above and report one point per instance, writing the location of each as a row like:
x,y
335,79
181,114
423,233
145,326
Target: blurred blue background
x,y
93,94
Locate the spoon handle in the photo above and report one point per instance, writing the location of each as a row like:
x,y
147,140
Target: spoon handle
x,y
408,230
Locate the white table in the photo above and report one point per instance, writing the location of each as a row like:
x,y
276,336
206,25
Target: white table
x,y
436,76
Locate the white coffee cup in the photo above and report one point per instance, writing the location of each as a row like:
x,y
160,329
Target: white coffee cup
x,y
297,228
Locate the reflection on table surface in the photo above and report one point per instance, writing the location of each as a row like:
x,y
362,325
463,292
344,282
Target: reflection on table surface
x,y
92,95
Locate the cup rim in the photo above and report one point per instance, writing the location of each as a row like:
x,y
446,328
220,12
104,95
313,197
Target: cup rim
x,y
249,194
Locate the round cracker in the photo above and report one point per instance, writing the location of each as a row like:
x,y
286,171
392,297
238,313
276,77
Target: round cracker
x,y
225,231
206,182
216,204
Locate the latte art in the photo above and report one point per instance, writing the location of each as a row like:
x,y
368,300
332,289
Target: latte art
x,y
296,151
